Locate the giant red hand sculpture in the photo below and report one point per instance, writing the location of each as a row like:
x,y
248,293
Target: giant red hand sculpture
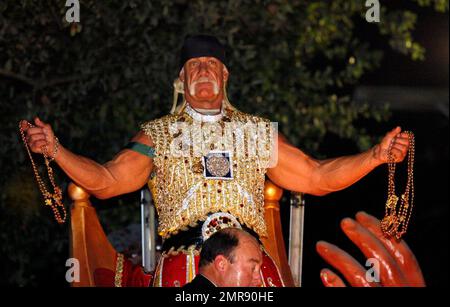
x,y
398,266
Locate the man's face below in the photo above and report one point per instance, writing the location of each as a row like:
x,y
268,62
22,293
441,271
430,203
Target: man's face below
x,y
203,79
244,271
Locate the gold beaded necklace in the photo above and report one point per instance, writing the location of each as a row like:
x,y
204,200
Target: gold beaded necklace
x,y
396,219
54,200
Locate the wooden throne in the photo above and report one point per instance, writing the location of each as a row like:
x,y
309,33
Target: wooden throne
x,y
90,245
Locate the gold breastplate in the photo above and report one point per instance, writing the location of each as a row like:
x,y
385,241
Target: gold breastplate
x,y
187,187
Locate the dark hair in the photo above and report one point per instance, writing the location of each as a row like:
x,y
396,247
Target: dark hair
x,y
223,242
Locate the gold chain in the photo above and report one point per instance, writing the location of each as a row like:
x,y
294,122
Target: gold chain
x,y
54,200
396,219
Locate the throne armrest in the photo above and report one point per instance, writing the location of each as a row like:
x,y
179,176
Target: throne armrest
x,y
274,242
88,242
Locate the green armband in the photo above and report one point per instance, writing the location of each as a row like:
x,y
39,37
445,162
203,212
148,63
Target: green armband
x,y
142,149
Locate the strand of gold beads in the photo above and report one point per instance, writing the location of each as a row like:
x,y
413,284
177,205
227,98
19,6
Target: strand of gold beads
x,y
397,216
54,200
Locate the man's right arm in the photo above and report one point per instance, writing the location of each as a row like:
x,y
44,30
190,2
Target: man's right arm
x,y
125,173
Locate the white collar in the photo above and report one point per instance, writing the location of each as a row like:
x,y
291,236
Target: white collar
x,y
203,117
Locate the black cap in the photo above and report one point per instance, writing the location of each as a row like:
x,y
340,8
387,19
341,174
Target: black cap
x,y
195,46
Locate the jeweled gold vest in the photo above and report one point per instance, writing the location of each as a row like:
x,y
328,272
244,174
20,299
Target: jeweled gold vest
x,y
184,194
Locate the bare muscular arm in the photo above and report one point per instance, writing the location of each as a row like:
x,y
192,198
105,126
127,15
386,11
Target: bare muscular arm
x,y
126,172
296,171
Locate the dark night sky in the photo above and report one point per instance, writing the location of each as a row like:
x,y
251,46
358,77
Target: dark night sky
x,y
432,32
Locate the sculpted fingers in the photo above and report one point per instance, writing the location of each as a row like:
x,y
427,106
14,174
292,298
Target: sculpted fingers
x,y
398,249
390,273
330,279
373,225
352,271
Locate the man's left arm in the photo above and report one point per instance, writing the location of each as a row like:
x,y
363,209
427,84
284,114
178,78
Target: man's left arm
x,y
296,171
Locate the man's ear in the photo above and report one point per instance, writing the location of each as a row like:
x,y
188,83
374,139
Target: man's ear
x,y
225,74
181,75
220,263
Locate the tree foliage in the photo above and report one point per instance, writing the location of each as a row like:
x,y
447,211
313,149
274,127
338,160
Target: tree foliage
x,y
294,62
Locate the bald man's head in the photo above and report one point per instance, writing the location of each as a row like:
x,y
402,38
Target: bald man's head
x,y
231,257
223,242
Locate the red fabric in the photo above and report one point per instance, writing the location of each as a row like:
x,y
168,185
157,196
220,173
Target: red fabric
x,y
132,276
136,277
270,273
172,271
175,270
103,278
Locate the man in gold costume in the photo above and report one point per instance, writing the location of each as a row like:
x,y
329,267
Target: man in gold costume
x,y
204,188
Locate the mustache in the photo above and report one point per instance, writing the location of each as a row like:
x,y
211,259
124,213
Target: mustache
x,y
204,79
192,89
